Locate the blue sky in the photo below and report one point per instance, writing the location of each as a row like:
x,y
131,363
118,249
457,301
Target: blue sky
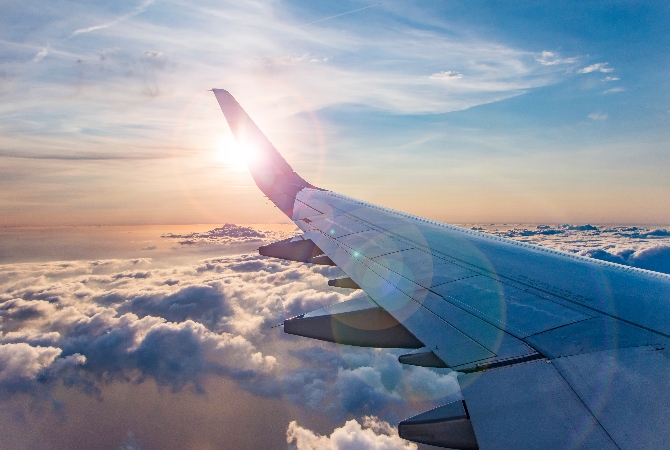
x,y
492,111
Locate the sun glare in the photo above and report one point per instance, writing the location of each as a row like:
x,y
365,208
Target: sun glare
x,y
232,154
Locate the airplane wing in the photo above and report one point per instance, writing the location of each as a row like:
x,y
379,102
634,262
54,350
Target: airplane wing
x,y
553,350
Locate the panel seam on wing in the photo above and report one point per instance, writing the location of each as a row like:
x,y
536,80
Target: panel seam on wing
x,y
425,307
496,238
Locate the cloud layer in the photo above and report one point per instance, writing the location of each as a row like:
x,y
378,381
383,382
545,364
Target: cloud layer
x,y
82,326
637,246
86,324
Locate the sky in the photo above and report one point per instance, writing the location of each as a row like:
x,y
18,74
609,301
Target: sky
x,y
129,321
537,111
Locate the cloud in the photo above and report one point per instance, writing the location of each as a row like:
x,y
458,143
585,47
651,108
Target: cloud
x,y
342,14
134,101
202,303
275,53
373,434
611,79
446,75
655,258
152,54
128,321
551,59
23,361
130,443
179,325
176,355
598,67
41,54
636,246
227,234
23,367
87,325
614,90
597,116
138,10
81,156
90,323
364,382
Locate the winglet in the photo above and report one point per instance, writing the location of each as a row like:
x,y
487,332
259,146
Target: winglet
x,y
272,174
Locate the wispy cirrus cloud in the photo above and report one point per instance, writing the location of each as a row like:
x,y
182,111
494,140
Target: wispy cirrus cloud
x,y
614,90
446,75
342,14
84,156
139,87
41,54
597,116
548,58
138,10
597,67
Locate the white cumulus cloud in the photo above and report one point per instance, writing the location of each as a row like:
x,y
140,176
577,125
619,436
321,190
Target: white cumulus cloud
x,y
373,434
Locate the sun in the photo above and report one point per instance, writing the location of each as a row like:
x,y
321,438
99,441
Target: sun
x,y
231,154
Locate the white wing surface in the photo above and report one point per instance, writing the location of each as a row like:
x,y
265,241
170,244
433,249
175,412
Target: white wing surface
x,y
553,350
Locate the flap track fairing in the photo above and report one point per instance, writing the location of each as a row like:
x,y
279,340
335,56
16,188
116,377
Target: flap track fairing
x,y
424,358
304,250
447,426
359,322
346,283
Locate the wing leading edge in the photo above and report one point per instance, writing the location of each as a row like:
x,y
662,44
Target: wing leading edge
x,y
553,350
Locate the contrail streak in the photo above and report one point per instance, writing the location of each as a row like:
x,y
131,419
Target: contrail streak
x,y
342,14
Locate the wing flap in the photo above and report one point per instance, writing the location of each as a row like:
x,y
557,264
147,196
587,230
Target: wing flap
x,y
627,389
593,335
494,339
534,400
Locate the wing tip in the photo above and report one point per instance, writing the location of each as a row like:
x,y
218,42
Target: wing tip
x,y
272,174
